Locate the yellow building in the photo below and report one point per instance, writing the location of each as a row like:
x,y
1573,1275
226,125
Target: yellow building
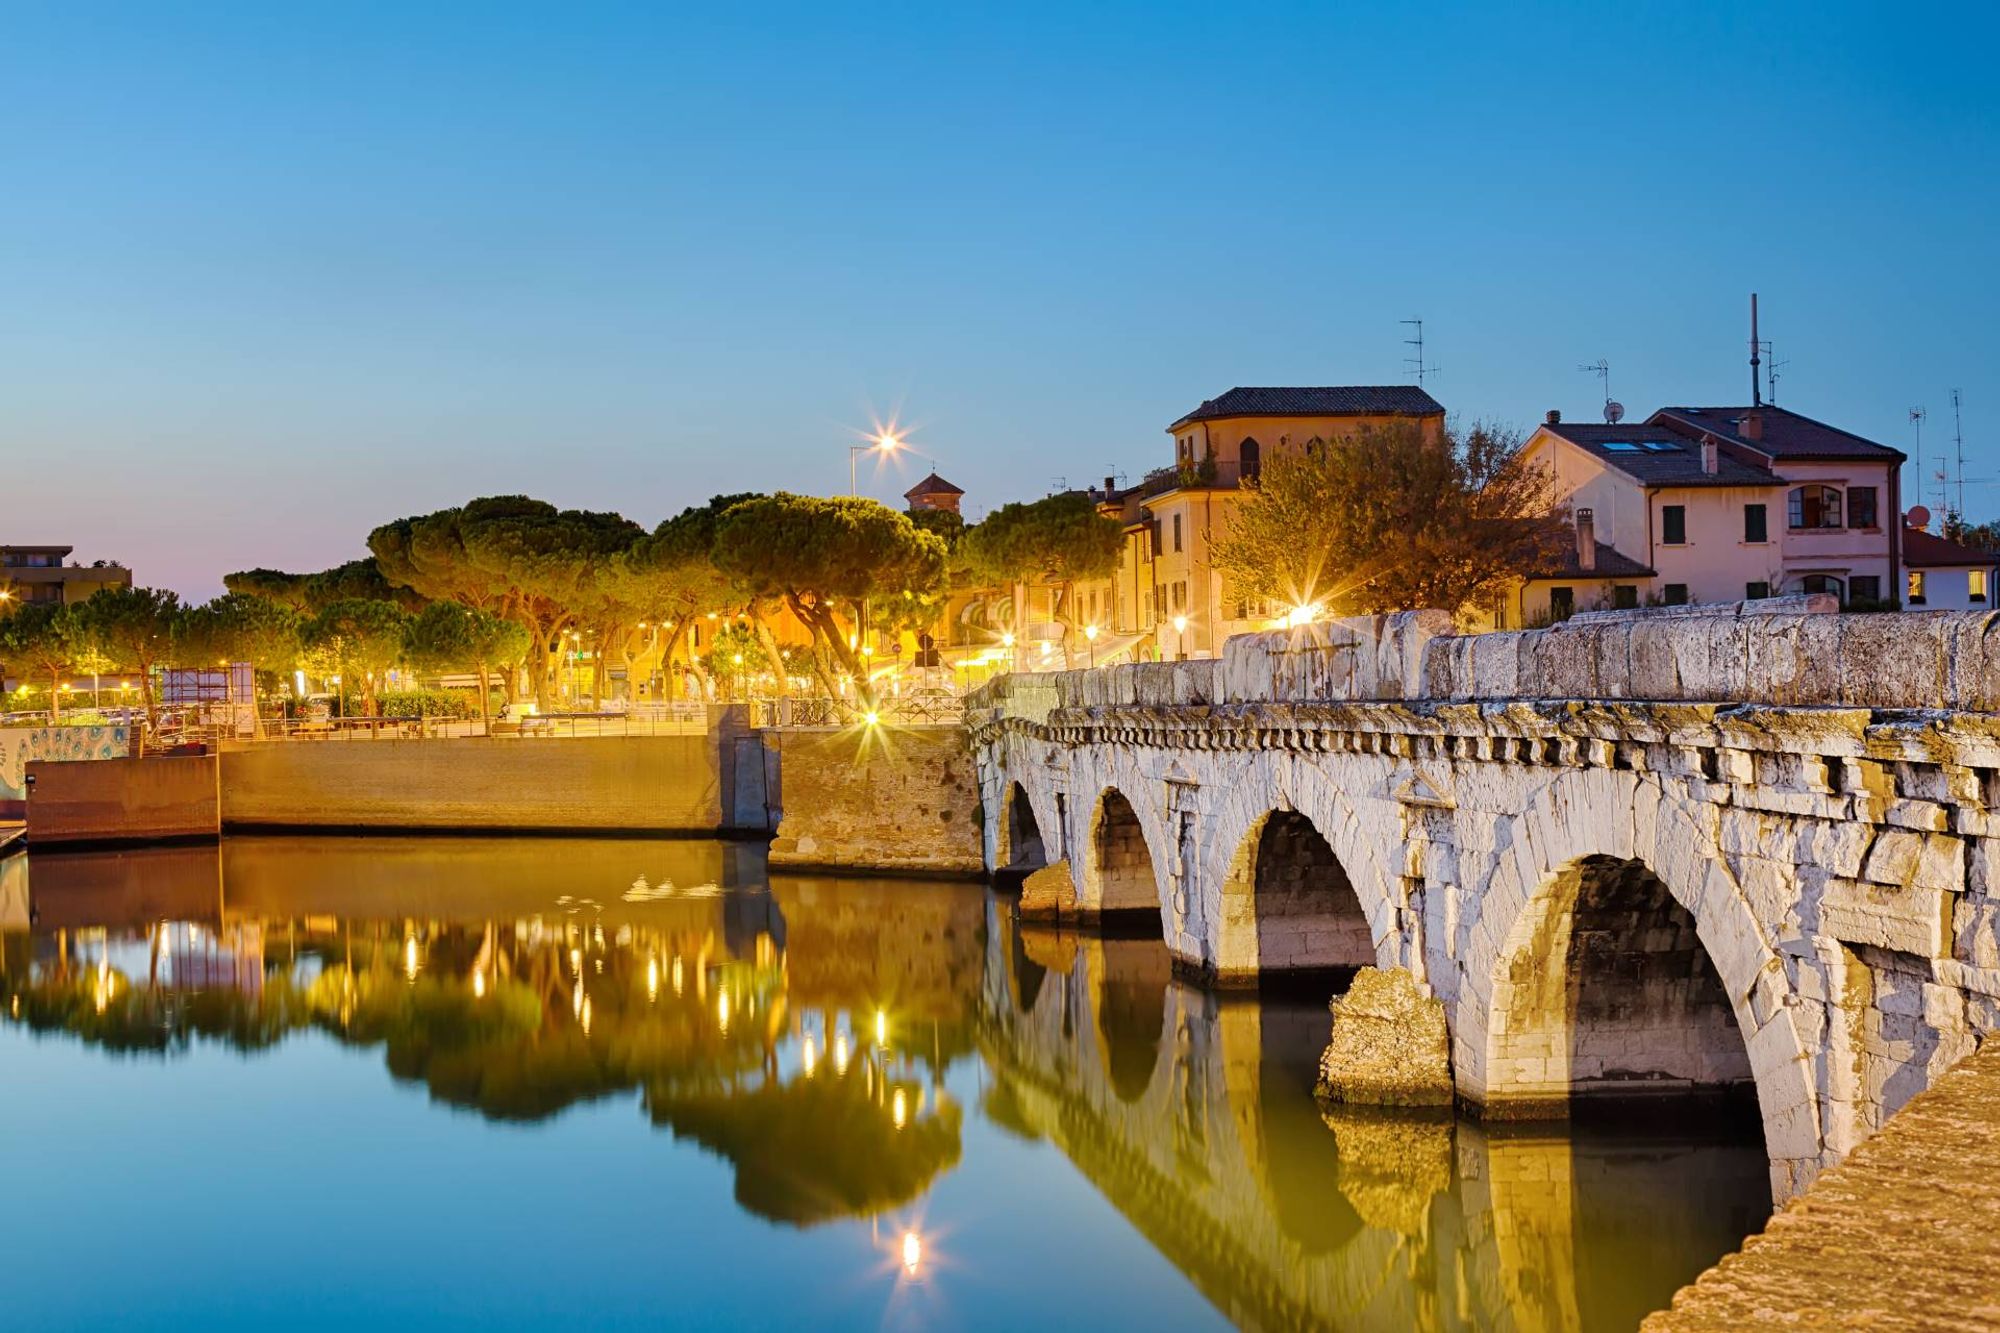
x,y
46,574
1166,599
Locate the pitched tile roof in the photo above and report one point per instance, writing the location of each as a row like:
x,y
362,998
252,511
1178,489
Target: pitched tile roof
x,y
932,485
1401,400
1921,550
1786,434
1658,455
1611,564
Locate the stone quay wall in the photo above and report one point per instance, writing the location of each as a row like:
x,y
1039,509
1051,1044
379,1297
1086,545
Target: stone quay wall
x,y
1817,794
899,800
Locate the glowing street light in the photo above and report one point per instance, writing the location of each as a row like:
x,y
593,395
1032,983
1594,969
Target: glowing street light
x,y
1090,636
1180,637
886,442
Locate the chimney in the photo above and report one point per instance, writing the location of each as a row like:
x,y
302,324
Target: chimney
x,y
1752,425
1555,416
1110,485
1586,540
1709,459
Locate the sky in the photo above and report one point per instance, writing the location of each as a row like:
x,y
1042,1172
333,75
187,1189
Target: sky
x,y
273,274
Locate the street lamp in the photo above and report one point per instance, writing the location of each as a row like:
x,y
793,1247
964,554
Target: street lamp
x,y
1090,636
885,442
1180,637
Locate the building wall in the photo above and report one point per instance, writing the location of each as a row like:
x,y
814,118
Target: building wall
x,y
1949,588
1844,551
1716,563
122,800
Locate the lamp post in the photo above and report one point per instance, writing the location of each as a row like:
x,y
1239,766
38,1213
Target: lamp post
x,y
1090,637
887,442
1180,638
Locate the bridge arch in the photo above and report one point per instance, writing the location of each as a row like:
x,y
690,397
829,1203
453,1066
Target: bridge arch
x,y
1288,903
1631,957
1120,877
1023,847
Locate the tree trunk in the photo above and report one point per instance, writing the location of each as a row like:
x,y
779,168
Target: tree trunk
x,y
55,694
485,705
769,643
1020,625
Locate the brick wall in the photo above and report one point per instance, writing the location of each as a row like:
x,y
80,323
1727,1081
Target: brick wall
x,y
878,798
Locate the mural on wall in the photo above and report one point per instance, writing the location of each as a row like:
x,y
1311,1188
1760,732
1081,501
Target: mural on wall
x,y
18,745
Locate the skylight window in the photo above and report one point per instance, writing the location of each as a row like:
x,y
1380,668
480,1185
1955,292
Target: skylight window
x,y
1621,446
1662,447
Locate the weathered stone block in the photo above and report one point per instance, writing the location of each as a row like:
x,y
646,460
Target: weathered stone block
x,y
1911,920
1389,1047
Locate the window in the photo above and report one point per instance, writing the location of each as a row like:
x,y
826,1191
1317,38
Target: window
x,y
1861,507
1180,596
1156,537
1916,587
1177,534
1677,594
1562,603
1821,583
1674,524
1753,591
1975,586
1814,507
1865,588
1755,529
1253,459
1625,596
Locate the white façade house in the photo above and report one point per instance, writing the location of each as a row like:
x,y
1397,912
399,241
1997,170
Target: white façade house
x,y
1715,504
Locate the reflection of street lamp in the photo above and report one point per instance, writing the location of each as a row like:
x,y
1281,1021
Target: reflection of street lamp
x,y
886,442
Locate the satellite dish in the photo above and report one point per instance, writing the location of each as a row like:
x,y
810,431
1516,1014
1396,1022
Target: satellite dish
x,y
1918,517
1613,412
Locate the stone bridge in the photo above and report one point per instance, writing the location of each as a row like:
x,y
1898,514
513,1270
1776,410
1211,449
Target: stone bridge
x,y
1638,853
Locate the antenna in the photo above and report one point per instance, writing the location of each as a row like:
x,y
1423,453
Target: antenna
x,y
1958,438
1756,389
1917,416
1417,362
1602,369
1771,367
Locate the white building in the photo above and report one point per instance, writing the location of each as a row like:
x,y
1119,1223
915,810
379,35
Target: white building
x,y
1944,575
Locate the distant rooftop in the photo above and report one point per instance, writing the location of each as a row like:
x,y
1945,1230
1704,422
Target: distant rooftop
x,y
932,485
1658,455
1923,550
1400,400
1779,432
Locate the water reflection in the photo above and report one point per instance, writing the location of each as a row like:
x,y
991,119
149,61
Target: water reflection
x,y
812,1033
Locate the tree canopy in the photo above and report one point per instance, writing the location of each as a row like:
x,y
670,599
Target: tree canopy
x,y
362,638
42,638
824,558
134,627
1392,519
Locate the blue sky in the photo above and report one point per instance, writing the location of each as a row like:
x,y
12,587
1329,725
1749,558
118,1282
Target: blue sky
x,y
271,274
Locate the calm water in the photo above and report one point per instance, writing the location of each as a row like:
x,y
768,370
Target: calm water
x,y
375,1083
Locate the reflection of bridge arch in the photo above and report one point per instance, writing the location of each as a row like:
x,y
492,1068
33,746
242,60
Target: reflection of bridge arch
x,y
1633,894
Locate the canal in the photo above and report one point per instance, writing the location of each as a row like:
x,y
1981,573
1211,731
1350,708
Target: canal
x,y
487,1083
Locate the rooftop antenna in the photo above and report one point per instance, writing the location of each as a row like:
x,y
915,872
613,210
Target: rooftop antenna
x,y
1958,438
1756,388
1602,369
1417,362
1771,368
1917,416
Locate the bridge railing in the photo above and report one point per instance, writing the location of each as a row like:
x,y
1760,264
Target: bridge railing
x,y
1783,651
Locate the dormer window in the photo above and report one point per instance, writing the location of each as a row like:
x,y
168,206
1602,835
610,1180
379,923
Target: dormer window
x,y
1814,507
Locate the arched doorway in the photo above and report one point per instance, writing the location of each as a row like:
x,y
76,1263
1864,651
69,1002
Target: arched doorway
x,y
1128,893
1606,990
1302,914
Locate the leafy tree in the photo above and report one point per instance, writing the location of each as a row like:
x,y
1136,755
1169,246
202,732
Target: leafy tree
x,y
1054,542
679,557
825,557
42,637
363,639
446,637
1392,519
134,627
238,627
737,657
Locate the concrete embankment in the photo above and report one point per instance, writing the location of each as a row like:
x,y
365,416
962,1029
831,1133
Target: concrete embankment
x,y
123,800
637,784
1902,1235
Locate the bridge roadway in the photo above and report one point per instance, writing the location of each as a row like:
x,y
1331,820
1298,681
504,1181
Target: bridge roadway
x,y
1734,848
